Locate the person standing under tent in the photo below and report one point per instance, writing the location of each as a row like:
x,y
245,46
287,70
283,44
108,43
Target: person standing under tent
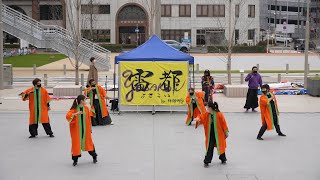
x,y
39,105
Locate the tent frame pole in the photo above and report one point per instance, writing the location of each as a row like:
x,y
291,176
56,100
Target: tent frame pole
x,y
193,76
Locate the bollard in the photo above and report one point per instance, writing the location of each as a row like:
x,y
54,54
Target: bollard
x,y
287,68
64,69
82,79
45,80
34,69
279,78
241,78
197,68
258,66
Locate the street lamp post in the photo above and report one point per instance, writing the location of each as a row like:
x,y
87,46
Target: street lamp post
x,y
1,49
306,49
137,31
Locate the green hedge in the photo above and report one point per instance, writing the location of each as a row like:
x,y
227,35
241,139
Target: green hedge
x,y
237,49
11,46
117,47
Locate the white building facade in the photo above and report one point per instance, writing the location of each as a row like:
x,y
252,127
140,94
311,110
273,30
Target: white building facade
x,y
204,22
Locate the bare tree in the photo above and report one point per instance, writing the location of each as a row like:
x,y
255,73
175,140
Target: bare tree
x,y
90,16
73,23
232,24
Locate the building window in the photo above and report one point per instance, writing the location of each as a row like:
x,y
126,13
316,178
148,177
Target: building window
x,y
211,37
174,34
185,10
251,11
237,10
210,10
165,10
251,34
95,9
98,35
51,12
201,37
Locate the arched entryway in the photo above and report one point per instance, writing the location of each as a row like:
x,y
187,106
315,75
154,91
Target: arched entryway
x,y
129,19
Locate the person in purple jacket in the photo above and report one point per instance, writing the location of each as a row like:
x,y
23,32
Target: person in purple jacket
x,y
255,81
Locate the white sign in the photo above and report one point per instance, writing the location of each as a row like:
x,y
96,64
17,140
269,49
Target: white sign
x,y
286,28
186,35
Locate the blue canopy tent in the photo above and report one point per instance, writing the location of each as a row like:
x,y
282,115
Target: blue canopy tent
x,y
154,50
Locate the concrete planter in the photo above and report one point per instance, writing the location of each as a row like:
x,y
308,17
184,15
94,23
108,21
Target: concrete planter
x,y
314,86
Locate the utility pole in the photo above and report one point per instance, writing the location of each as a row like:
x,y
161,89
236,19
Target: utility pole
x,y
306,49
1,49
78,38
229,46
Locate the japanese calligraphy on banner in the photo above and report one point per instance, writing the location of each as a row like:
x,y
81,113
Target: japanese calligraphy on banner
x,y
153,83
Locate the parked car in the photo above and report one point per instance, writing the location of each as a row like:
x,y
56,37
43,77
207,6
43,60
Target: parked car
x,y
283,38
299,44
179,46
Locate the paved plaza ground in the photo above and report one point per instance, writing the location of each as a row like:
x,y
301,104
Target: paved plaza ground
x,y
161,147
141,146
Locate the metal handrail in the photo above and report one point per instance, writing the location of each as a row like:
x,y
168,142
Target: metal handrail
x,y
55,33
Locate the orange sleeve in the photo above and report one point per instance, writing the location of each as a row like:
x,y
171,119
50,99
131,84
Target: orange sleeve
x,y
70,116
47,97
102,91
223,123
188,99
25,95
263,101
203,118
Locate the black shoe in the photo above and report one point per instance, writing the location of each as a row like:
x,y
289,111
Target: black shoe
x,y
223,162
51,135
32,136
281,134
206,165
75,163
259,138
95,160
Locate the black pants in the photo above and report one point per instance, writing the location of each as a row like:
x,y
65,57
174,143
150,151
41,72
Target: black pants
x,y
264,128
33,129
92,153
99,120
194,105
252,99
209,154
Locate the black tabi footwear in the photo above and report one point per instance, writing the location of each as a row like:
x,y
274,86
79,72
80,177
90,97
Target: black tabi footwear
x,y
259,138
281,134
75,163
95,160
32,136
206,165
51,135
